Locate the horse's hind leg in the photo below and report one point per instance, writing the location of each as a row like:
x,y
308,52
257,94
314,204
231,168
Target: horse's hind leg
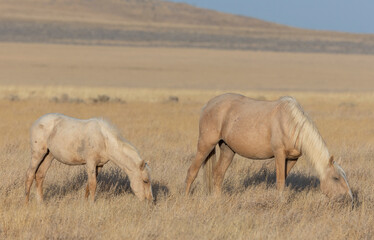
x,y
225,159
40,175
203,150
36,159
98,169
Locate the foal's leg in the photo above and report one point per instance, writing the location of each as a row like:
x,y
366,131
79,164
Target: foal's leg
x,y
280,166
91,173
40,175
225,159
289,164
203,150
98,169
36,158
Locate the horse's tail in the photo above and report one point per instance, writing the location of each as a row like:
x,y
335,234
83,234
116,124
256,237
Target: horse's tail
x,y
208,170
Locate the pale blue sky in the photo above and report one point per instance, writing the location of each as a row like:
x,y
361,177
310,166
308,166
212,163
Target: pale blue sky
x,y
339,15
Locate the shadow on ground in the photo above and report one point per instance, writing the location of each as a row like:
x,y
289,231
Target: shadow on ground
x,y
112,182
295,181
73,185
159,190
356,200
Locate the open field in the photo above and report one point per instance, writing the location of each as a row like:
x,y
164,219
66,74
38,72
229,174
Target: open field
x,y
154,97
67,65
165,132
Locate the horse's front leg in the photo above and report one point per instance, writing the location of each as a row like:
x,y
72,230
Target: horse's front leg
x,y
280,167
91,185
98,169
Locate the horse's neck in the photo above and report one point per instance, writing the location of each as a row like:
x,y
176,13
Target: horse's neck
x,y
316,151
305,136
124,155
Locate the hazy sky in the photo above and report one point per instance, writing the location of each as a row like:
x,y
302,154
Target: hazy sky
x,y
339,15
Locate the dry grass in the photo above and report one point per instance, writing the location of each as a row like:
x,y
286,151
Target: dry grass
x,y
165,133
336,90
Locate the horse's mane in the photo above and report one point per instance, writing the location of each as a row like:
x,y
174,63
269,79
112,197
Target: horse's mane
x,y
113,131
305,136
107,125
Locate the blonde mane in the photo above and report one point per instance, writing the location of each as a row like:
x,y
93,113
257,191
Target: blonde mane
x,y
305,136
116,135
108,126
112,129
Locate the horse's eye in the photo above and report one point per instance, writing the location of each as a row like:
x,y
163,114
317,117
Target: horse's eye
x,y
335,179
145,181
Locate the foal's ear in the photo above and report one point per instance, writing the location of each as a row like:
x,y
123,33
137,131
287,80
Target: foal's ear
x,y
142,165
331,161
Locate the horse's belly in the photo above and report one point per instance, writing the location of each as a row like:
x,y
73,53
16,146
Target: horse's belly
x,y
67,157
254,149
249,135
255,153
76,152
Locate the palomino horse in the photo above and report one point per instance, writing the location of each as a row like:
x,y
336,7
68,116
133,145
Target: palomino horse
x,y
75,142
261,130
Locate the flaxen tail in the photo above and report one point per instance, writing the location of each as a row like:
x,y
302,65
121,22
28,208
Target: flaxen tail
x,y
208,170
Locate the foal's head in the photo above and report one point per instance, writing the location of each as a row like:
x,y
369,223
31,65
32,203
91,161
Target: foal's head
x,y
141,183
334,184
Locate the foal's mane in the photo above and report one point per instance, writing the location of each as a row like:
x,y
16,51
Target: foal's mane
x,y
305,135
111,128
113,131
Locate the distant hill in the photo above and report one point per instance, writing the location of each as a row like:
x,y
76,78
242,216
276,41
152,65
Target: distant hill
x,y
161,23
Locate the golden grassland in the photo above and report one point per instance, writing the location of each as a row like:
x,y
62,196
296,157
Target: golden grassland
x,y
165,132
154,96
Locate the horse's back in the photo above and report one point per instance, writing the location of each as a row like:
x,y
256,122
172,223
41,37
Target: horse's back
x,y
245,124
233,107
46,119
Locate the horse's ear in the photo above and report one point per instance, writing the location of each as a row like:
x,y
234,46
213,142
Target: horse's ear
x,y
142,165
331,161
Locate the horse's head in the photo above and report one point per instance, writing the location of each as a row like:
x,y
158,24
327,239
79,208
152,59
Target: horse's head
x,y
334,183
141,183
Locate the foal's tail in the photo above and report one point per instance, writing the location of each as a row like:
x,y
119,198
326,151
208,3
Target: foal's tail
x,y
208,170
